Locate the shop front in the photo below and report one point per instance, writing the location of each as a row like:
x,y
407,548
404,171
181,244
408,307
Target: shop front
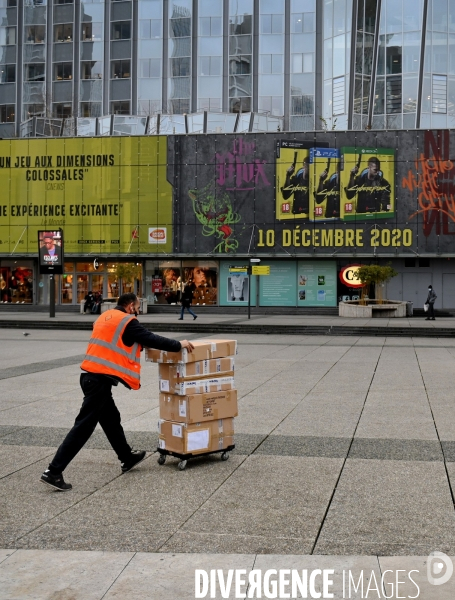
x,y
109,279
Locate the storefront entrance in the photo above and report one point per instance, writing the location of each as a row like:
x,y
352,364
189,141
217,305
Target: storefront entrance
x,y
79,278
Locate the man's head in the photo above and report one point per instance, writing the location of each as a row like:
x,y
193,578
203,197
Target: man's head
x,y
48,239
130,303
373,166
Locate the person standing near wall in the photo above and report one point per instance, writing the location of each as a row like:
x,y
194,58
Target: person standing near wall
x,y
187,299
431,299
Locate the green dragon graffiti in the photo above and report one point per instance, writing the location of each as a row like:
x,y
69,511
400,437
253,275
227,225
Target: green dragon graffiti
x,y
213,209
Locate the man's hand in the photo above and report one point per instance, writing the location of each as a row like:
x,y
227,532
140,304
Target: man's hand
x,y
188,345
323,175
291,170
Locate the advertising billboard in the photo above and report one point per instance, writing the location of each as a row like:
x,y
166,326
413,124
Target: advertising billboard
x,y
383,193
110,195
51,252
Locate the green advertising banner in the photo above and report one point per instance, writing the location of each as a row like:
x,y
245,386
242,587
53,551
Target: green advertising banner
x,y
108,195
317,283
280,287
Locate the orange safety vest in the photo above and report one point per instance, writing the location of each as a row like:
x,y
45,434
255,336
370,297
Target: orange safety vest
x,y
108,355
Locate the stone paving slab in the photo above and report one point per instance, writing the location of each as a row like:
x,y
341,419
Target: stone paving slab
x,y
306,476
378,504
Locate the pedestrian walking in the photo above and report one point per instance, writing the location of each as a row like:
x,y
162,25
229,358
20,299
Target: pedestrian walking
x,y
431,298
113,356
187,299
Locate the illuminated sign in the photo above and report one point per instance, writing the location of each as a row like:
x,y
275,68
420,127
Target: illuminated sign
x,y
350,276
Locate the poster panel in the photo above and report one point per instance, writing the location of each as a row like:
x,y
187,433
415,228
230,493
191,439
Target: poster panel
x,y
325,168
280,287
234,287
368,183
316,283
110,195
51,252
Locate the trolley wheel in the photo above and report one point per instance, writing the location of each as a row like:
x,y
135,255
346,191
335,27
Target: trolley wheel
x,y
225,456
182,464
161,459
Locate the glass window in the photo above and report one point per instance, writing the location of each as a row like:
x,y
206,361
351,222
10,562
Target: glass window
x,y
439,94
7,36
91,32
297,63
91,70
120,69
180,67
63,110
63,71
393,60
91,109
179,28
63,33
242,104
33,110
210,65
150,28
121,30
35,34
7,113
120,108
207,8
34,72
63,1
393,95
297,23
7,73
210,26
150,67
240,65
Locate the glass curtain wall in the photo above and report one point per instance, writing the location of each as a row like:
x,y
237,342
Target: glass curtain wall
x,y
271,57
303,65
62,60
210,55
240,55
337,26
438,93
180,27
364,50
91,59
121,32
35,101
399,56
8,57
150,54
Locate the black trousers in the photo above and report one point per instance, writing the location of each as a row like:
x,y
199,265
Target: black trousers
x,y
98,406
431,311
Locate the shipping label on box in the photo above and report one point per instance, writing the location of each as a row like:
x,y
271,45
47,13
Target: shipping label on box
x,y
197,437
195,408
170,374
198,386
203,350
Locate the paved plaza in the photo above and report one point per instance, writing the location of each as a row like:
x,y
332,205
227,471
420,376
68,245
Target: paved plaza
x,y
344,460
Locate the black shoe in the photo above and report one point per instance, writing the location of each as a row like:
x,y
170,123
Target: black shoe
x,y
137,456
194,318
433,319
180,319
427,319
56,481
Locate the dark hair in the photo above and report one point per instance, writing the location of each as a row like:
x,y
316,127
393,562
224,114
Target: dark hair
x,y
375,160
126,299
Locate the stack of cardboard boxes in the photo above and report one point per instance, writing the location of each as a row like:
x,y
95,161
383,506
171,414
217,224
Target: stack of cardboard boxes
x,y
198,399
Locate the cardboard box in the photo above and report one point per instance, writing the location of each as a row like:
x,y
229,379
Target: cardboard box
x,y
203,350
171,374
198,408
196,438
198,386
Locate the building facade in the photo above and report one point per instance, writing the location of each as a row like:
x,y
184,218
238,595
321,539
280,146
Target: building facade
x,y
151,213
319,64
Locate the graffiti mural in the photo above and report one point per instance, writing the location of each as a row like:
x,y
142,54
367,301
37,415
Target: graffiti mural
x,y
333,194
